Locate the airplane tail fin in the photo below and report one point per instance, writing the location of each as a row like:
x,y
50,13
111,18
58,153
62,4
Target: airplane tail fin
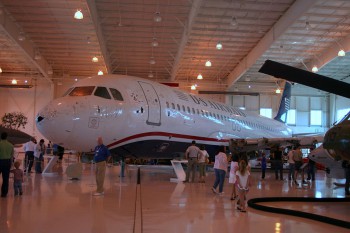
x,y
285,104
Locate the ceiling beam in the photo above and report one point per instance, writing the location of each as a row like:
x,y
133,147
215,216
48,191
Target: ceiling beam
x,y
95,19
27,47
293,14
185,36
329,54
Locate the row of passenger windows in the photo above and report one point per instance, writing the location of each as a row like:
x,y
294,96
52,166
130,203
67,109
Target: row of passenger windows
x,y
99,91
217,116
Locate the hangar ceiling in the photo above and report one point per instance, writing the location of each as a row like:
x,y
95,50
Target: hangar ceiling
x,y
170,41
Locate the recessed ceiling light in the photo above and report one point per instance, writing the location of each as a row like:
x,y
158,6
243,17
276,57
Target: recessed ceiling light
x,y
0,70
100,72
278,91
314,69
14,81
341,53
193,87
94,59
76,79
219,46
199,76
208,63
78,14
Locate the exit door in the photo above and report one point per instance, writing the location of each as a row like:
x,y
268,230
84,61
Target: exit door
x,y
153,104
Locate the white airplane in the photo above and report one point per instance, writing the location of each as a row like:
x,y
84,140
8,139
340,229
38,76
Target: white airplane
x,y
141,118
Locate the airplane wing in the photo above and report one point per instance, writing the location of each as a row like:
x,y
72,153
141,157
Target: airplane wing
x,y
307,78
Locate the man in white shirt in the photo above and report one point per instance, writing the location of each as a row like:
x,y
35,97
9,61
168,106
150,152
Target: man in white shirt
x,y
29,148
191,155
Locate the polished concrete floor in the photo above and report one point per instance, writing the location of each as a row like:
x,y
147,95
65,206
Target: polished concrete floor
x,y
55,204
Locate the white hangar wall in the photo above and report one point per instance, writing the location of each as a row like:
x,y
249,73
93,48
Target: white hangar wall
x,y
27,101
331,106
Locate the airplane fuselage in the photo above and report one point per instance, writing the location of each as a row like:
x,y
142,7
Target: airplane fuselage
x,y
141,118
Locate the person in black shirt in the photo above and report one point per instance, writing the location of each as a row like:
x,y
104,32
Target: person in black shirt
x,y
278,163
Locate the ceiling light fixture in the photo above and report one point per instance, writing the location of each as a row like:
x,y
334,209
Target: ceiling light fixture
x,y
278,91
76,79
25,81
154,42
150,75
219,46
234,21
152,61
193,87
314,69
78,14
0,70
14,81
94,59
157,18
307,25
199,76
37,55
21,36
341,53
100,72
208,63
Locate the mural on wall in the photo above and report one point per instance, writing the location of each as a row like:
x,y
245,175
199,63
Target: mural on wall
x,y
14,120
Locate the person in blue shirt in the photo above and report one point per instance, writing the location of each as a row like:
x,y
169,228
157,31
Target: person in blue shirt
x,y
101,155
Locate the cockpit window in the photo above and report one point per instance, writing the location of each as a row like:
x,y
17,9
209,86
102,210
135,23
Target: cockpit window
x,y
102,92
67,92
82,91
116,94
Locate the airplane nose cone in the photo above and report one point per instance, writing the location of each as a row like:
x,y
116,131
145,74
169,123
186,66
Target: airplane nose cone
x,y
55,121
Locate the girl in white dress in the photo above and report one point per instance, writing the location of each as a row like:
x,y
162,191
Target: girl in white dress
x,y
242,183
232,178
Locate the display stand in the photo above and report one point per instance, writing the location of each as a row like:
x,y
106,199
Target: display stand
x,y
179,171
48,169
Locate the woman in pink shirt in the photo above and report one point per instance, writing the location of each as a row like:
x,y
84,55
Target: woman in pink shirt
x,y
220,168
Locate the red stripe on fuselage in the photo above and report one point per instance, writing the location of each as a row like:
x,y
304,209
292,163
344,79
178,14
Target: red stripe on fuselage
x,y
165,134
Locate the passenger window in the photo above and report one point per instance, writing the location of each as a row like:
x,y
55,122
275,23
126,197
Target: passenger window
x,y
173,105
193,111
189,110
167,104
102,92
183,109
178,107
116,94
82,91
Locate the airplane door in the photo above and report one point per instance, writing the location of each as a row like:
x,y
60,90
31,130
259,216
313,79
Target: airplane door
x,y
153,104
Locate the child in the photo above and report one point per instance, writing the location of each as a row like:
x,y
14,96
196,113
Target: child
x,y
18,179
263,166
243,183
232,178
